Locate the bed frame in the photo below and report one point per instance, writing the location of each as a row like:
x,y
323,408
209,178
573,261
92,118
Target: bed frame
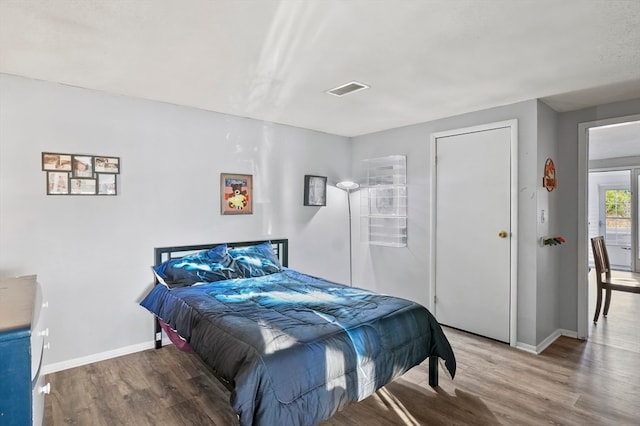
x,y
281,249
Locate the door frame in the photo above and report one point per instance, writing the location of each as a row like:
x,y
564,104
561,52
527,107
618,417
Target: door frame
x,y
635,221
582,276
513,304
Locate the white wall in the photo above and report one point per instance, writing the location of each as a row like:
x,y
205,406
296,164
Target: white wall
x,y
548,301
404,271
93,254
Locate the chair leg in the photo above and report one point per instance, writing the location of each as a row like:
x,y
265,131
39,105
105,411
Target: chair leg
x,y
598,304
607,302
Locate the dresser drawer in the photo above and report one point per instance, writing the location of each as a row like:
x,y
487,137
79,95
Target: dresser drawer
x,y
37,349
39,334
40,389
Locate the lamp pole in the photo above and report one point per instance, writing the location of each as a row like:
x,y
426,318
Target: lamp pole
x,y
349,186
350,249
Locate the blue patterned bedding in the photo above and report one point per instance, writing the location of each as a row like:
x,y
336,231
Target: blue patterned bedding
x,y
298,348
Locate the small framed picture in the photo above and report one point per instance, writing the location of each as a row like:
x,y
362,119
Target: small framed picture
x,y
107,165
82,166
83,186
56,162
315,190
57,183
107,184
236,194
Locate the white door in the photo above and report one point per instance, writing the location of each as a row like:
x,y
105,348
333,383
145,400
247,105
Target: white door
x,y
473,215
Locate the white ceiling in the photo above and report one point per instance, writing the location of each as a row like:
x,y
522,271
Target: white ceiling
x,y
273,60
615,141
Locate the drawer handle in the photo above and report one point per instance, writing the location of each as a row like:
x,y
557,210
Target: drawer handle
x,y
46,389
46,345
45,304
44,332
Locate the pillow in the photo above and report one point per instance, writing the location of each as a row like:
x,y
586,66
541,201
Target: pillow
x,y
205,266
218,253
256,261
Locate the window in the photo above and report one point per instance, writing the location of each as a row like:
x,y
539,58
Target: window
x,y
618,217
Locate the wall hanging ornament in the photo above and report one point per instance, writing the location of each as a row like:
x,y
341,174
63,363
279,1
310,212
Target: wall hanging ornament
x,y
549,180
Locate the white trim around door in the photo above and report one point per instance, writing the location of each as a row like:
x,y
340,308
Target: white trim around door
x,y
513,125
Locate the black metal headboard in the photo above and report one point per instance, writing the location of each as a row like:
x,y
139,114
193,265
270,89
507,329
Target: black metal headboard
x,y
162,254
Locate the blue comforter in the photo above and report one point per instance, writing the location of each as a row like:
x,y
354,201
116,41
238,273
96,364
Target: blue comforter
x,y
298,348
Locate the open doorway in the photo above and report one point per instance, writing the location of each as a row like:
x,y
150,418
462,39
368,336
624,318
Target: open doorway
x,y
609,170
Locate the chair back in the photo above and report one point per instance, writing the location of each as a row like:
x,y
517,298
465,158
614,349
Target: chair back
x,y
600,257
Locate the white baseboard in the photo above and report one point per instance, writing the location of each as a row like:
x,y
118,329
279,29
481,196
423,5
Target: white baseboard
x,y
546,342
569,333
102,356
525,347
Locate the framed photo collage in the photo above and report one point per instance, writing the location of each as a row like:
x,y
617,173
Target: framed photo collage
x,y
79,174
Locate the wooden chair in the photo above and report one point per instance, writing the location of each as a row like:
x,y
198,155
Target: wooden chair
x,y
601,260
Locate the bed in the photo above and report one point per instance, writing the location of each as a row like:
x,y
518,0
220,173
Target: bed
x,y
292,348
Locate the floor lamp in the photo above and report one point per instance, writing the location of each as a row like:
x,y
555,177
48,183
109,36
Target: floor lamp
x,y
349,186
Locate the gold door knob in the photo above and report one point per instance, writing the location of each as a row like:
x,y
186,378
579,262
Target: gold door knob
x,y
502,234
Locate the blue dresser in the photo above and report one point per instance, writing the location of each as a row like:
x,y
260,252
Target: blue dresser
x,y
22,341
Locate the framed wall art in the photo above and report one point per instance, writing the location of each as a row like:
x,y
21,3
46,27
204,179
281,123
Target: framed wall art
x,y
80,174
56,162
107,184
82,166
107,165
236,194
83,186
58,182
315,190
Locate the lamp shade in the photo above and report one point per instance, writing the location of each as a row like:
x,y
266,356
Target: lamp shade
x,y
347,185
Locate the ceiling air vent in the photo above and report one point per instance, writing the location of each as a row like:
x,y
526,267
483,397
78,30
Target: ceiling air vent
x,y
345,89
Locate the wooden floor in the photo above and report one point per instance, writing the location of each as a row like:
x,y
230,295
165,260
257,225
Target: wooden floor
x,y
624,309
571,383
